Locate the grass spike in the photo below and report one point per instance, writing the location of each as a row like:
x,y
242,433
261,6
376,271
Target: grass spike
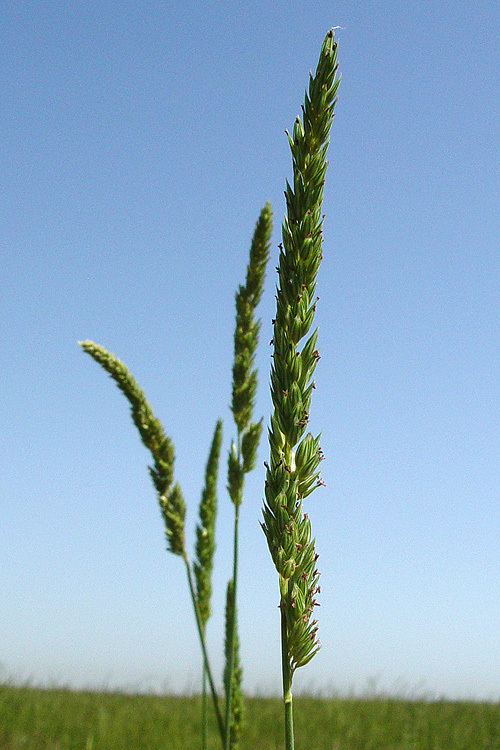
x,y
205,530
154,438
205,548
233,691
294,457
243,452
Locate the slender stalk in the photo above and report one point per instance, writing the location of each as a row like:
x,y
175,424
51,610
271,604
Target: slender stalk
x,y
231,634
199,625
287,685
204,715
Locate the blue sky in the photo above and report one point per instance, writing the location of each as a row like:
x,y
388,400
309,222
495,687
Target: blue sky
x,y
139,141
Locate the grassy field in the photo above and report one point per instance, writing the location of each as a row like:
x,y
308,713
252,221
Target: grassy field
x,y
58,719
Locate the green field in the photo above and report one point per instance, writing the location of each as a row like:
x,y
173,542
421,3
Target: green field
x,y
59,719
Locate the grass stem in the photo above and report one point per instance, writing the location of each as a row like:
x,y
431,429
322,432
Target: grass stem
x,y
206,662
231,634
287,683
204,717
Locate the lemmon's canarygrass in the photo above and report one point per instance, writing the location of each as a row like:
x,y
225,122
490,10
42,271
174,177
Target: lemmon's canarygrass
x,y
243,452
292,473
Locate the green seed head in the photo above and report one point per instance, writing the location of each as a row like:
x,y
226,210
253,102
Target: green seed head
x,y
292,473
234,476
154,438
237,712
205,530
246,333
250,444
174,512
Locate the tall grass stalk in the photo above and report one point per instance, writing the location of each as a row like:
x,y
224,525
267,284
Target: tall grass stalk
x,y
292,473
242,455
170,499
205,548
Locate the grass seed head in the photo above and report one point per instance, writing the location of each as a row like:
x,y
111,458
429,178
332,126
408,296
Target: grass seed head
x,y
292,473
154,438
205,530
237,705
246,333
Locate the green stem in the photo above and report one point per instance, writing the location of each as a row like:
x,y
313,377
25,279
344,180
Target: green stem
x,y
204,710
287,682
229,689
204,651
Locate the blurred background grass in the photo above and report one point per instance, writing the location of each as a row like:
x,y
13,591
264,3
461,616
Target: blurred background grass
x,y
61,719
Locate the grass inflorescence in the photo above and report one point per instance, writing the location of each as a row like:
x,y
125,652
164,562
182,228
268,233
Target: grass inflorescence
x,y
292,472
243,452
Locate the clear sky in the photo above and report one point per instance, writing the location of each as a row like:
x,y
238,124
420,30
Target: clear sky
x,y
139,141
